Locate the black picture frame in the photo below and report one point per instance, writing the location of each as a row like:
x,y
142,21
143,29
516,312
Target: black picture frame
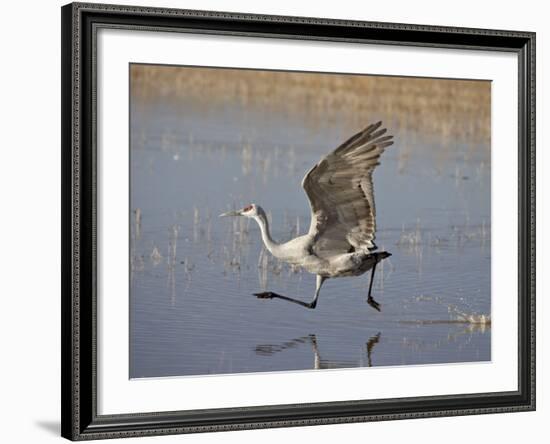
x,y
79,211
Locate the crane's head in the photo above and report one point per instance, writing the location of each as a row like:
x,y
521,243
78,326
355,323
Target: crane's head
x,y
251,210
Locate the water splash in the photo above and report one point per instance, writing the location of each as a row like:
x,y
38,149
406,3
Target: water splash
x,y
456,316
468,318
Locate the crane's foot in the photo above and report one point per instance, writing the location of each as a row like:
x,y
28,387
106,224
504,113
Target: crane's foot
x,y
264,295
373,303
272,295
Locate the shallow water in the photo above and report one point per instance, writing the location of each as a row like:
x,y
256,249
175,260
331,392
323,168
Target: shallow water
x,y
193,274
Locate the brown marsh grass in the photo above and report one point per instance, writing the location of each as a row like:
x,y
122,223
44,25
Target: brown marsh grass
x,y
446,109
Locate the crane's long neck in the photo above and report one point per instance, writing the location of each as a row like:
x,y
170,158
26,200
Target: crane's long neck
x,y
269,243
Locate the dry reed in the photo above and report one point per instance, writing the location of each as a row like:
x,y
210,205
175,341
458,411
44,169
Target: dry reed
x,y
446,108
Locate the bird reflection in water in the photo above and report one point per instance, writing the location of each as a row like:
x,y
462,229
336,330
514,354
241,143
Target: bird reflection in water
x,y
318,362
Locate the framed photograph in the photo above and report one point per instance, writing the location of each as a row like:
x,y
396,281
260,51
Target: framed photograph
x,y
283,221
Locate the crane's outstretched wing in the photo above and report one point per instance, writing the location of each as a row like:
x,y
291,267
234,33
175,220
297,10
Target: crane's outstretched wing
x,y
340,193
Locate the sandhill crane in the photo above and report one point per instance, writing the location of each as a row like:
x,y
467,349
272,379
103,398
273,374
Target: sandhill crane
x,y
340,241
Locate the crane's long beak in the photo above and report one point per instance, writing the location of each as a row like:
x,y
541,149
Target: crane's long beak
x,y
232,213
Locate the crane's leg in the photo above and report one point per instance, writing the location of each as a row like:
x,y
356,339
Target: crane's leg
x,y
312,304
318,284
370,300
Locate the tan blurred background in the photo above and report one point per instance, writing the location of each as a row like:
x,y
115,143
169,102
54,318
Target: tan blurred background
x,y
442,109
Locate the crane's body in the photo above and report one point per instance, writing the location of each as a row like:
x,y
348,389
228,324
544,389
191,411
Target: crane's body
x,y
340,240
300,252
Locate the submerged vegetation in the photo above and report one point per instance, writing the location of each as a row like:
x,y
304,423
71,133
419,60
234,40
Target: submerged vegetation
x,y
233,254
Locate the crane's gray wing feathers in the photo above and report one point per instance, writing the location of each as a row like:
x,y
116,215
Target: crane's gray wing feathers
x,y
340,193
